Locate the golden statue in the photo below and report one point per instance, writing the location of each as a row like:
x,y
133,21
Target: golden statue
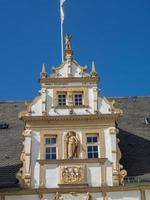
x,y
68,42
72,145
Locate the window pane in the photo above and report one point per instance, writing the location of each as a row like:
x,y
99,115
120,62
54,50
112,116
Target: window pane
x,y
78,99
89,149
95,155
95,148
94,139
53,140
89,139
53,149
61,99
53,156
47,156
47,140
90,155
47,150
92,146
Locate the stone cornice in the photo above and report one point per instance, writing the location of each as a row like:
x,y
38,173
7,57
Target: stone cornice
x,y
73,161
69,80
101,117
17,191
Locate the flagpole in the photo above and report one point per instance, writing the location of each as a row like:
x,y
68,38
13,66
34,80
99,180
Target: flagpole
x,y
62,42
62,31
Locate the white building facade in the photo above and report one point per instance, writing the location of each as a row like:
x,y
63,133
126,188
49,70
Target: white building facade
x,y
71,150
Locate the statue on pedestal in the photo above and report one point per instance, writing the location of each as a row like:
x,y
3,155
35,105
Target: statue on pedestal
x,y
72,145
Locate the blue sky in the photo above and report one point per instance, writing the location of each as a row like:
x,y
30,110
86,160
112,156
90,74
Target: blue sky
x,y
113,33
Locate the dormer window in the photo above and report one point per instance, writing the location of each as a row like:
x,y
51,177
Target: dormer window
x,y
78,99
147,120
62,99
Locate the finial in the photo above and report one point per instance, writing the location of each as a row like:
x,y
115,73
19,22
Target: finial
x,y
43,73
93,72
68,49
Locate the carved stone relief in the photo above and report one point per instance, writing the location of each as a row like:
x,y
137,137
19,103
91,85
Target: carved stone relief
x,y
72,174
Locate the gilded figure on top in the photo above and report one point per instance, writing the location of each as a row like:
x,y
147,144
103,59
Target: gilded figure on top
x,y
68,42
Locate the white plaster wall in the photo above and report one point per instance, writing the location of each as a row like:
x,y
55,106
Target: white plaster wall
x,y
48,196
28,151
64,111
34,157
49,100
27,144
127,195
63,71
22,197
91,101
103,106
147,194
82,196
94,174
97,196
76,71
51,176
113,145
108,148
109,178
37,108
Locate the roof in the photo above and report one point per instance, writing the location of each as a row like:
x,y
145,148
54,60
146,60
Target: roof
x,y
134,138
10,142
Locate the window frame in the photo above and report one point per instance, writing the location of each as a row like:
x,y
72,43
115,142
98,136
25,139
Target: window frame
x,y
61,105
74,102
92,144
50,145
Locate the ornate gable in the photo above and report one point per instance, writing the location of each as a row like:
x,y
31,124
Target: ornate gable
x,y
70,131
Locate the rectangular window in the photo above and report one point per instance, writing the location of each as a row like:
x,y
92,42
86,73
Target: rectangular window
x,y
61,99
50,148
78,99
92,146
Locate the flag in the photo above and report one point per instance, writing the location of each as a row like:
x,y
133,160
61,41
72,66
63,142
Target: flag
x,y
62,10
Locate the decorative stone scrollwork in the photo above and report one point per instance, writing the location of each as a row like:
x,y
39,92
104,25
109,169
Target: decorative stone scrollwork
x,y
72,174
41,197
114,131
27,133
114,110
122,174
88,196
57,196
